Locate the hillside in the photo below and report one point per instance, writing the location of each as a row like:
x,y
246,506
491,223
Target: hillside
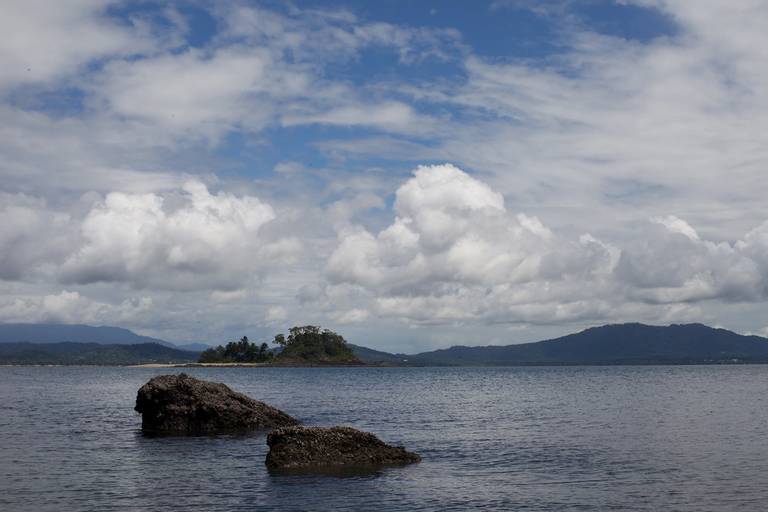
x,y
69,353
614,344
632,343
56,333
371,356
312,345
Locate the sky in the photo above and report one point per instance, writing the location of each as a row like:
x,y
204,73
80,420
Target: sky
x,y
412,175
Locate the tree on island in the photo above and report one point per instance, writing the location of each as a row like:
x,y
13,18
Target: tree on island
x,y
310,343
305,344
242,351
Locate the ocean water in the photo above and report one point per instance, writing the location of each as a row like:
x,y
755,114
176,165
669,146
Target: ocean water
x,y
687,438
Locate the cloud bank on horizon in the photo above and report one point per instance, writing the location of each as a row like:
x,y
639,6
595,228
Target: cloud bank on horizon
x,y
412,175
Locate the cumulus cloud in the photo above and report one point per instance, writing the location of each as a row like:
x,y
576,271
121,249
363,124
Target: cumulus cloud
x,y
618,175
669,263
195,240
183,239
454,253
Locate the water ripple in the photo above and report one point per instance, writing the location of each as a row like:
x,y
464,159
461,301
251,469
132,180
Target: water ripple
x,y
601,438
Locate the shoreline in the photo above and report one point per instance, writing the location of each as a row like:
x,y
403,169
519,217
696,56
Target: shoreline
x,y
250,365
386,365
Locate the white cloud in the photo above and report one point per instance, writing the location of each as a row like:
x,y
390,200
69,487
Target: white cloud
x,y
676,225
319,36
391,116
669,263
352,316
228,295
53,156
71,307
453,253
31,236
612,181
611,130
195,93
45,40
194,240
185,239
267,68
276,314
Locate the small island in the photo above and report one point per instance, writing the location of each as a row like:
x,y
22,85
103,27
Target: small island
x,y
306,345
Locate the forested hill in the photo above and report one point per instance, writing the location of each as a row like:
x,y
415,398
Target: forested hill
x,y
69,353
610,344
632,343
55,333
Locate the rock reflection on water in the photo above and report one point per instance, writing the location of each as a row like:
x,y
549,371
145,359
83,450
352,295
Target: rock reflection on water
x,y
235,434
591,438
353,472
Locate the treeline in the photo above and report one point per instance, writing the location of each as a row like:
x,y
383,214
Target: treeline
x,y
242,351
305,344
310,343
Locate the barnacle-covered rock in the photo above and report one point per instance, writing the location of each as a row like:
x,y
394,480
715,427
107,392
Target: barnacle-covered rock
x,y
185,405
306,447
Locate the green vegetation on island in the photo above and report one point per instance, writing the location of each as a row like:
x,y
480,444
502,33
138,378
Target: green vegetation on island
x,y
242,351
308,344
22,344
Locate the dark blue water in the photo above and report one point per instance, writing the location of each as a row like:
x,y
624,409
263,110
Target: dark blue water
x,y
588,438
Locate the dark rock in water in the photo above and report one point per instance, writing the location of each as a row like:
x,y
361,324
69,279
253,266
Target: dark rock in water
x,y
307,447
184,405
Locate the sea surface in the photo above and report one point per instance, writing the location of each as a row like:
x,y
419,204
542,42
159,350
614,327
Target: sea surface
x,y
687,438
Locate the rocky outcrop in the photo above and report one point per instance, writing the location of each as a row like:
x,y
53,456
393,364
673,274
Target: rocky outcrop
x,y
181,404
307,447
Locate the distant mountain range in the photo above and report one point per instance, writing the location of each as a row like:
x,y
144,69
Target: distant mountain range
x,y
69,353
632,343
104,335
369,355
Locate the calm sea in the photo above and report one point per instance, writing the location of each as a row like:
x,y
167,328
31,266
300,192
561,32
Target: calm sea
x,y
578,438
